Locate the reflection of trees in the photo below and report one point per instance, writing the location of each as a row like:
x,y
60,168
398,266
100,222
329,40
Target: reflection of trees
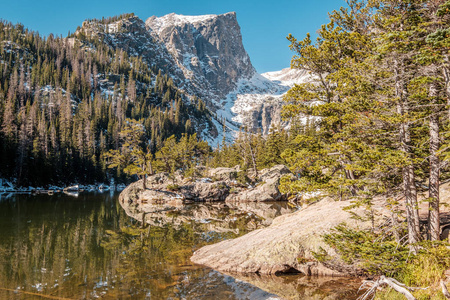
x,y
54,247
87,247
163,251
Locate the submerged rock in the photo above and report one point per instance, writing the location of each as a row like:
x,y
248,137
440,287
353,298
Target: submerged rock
x,y
287,245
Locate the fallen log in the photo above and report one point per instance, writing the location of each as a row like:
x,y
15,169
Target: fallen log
x,y
372,287
444,290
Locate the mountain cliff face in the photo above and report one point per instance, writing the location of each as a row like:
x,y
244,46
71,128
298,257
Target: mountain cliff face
x,y
207,49
205,57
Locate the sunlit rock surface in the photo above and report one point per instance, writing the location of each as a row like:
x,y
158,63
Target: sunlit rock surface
x,y
288,243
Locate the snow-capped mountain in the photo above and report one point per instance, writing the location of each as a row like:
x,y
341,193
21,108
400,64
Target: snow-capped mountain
x,y
207,49
257,101
205,57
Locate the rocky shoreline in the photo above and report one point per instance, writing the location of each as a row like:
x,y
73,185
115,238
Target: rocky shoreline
x,y
285,245
220,184
289,244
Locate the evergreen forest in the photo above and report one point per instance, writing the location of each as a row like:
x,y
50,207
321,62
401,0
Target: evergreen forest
x,y
64,102
372,125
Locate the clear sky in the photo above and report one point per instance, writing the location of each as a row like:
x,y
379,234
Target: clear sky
x,y
264,23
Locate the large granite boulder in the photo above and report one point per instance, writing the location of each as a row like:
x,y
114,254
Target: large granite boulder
x,y
288,243
155,194
224,174
205,191
266,189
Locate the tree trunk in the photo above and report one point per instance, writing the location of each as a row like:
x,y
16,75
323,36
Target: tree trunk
x,y
373,286
401,288
446,71
409,185
412,213
151,167
351,176
144,183
253,156
444,289
409,188
433,215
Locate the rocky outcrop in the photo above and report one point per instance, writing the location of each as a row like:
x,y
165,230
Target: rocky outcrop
x,y
205,191
222,186
266,189
257,102
287,244
224,174
157,194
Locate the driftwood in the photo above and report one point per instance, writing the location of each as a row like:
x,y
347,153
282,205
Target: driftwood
x,y
444,290
372,287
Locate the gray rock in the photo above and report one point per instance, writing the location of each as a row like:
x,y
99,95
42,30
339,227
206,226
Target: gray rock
x,y
266,189
163,187
154,194
208,50
205,191
224,174
287,244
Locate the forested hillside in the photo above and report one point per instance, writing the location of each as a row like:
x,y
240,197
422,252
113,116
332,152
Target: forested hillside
x,y
64,101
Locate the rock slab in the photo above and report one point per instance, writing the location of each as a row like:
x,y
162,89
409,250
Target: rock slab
x,y
286,245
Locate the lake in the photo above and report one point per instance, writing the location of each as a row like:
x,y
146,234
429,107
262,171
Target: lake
x,y
88,247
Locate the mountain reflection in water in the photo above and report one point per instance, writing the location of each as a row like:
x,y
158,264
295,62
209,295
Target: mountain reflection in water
x,y
88,247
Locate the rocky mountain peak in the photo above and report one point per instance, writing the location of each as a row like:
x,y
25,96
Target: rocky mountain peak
x,y
161,23
205,57
208,49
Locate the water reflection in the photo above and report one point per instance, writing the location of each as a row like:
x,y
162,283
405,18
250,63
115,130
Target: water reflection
x,y
216,217
88,247
303,287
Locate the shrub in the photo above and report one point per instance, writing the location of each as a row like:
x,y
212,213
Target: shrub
x,y
242,178
376,254
380,254
173,187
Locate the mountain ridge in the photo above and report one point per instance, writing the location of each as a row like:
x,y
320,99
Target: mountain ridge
x,y
206,58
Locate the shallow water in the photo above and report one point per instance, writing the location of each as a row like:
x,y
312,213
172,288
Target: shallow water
x,y
87,247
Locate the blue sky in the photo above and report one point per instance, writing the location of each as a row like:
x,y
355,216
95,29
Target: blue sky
x,y
264,24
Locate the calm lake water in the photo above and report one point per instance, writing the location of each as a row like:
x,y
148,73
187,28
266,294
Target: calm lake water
x,y
88,247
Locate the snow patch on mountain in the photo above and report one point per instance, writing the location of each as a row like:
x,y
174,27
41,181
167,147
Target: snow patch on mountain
x,y
288,77
258,95
173,19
